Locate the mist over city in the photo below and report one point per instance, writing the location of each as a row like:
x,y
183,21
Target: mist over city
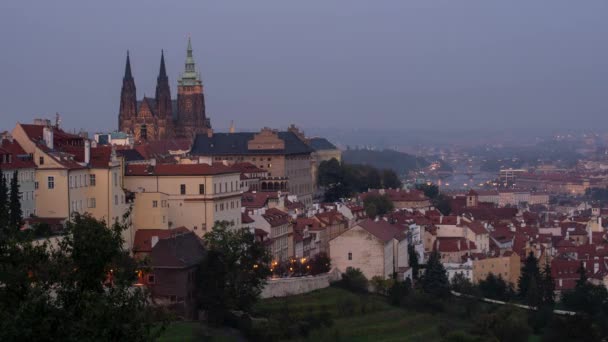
x,y
197,170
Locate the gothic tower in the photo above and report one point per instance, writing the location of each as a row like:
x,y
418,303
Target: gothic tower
x,y
163,108
191,118
128,100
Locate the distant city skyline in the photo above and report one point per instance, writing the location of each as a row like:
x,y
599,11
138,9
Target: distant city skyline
x,y
394,65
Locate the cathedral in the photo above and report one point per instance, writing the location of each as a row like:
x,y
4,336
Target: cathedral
x,y
161,117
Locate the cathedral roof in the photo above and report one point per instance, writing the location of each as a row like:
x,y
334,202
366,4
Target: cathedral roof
x,y
237,143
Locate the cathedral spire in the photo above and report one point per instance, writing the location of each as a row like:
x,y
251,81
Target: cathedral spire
x,y
189,76
128,68
162,73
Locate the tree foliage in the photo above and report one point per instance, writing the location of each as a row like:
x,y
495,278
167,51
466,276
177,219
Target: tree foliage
x,y
341,180
377,205
496,288
232,275
529,282
80,291
435,280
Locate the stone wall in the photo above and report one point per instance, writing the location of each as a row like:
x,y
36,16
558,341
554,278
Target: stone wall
x,y
283,287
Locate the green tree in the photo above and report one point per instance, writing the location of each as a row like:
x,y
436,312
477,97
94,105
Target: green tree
x,y
430,190
435,280
4,207
390,179
354,280
586,297
413,260
233,274
320,263
399,291
80,291
462,284
529,271
548,286
496,288
377,205
15,213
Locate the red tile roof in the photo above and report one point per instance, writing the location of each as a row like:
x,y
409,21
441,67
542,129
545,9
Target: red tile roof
x,y
381,229
276,217
19,159
256,200
143,237
477,227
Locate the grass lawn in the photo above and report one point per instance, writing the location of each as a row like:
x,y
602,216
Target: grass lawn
x,y
195,331
355,318
373,319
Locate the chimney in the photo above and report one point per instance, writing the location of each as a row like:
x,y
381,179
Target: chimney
x,y
210,133
232,126
87,151
47,135
154,240
458,220
458,244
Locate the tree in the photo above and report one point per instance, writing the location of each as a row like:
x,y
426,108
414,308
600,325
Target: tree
x,y
390,179
435,280
548,286
399,290
377,205
442,203
320,263
81,290
461,284
586,297
430,190
233,274
4,207
413,260
496,288
354,280
15,213
529,271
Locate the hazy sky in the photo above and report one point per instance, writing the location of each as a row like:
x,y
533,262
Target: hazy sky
x,y
317,63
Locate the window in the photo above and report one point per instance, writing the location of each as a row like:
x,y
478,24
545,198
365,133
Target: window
x,y
350,256
214,188
164,219
201,189
154,204
115,179
41,160
36,185
51,182
151,279
182,189
92,202
115,199
92,180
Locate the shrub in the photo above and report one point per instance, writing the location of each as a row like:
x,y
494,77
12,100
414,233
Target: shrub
x,y
380,285
399,291
320,263
354,280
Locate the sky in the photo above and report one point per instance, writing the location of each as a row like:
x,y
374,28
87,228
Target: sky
x,y
352,64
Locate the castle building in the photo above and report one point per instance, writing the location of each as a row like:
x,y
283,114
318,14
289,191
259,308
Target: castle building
x,y
162,117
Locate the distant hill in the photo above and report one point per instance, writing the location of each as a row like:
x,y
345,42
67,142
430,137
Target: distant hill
x,y
385,159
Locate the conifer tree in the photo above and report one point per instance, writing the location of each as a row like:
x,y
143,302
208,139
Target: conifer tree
x,y
4,209
435,280
529,271
14,205
548,286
